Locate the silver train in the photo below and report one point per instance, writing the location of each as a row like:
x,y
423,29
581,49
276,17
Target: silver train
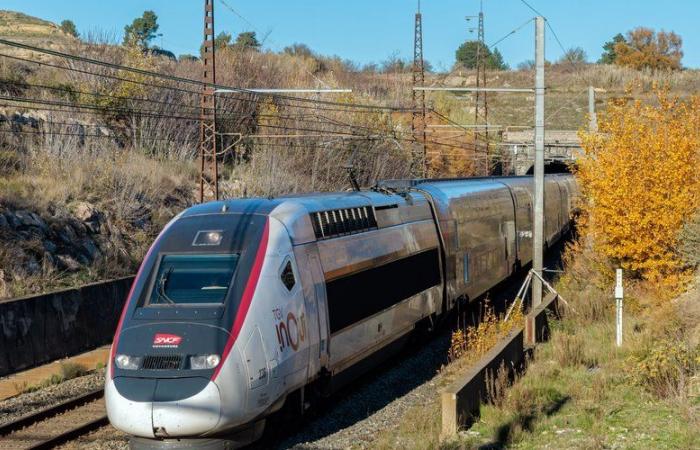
x,y
243,305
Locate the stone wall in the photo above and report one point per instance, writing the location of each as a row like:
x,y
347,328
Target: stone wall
x,y
39,329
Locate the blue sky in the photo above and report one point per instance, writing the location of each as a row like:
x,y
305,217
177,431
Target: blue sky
x,y
371,30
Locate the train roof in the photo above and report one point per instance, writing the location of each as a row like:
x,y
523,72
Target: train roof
x,y
313,202
385,193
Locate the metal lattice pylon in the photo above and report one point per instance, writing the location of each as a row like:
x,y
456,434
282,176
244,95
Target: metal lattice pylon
x,y
418,120
481,109
209,174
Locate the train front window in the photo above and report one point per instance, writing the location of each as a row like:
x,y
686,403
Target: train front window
x,y
193,279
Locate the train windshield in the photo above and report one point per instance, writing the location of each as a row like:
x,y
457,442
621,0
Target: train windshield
x,y
193,279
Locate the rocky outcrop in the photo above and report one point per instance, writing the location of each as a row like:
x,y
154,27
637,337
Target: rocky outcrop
x,y
59,240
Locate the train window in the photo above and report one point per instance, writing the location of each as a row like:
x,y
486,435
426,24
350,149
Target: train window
x,y
287,276
193,279
466,268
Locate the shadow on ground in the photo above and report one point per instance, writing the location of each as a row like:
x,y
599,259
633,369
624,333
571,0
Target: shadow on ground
x,y
523,421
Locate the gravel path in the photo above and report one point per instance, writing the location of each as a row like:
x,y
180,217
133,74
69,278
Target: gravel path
x,y
15,407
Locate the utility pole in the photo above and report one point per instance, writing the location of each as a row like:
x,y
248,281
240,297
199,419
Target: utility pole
x,y
418,119
538,238
209,173
481,110
592,118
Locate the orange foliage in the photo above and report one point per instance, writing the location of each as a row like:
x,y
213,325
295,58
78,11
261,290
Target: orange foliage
x,y
640,177
644,47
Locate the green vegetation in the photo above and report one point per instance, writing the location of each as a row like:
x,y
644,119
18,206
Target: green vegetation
x,y
247,41
466,55
609,55
68,27
142,30
67,371
580,391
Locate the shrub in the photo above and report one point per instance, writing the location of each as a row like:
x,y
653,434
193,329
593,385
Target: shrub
x,y
664,368
639,177
475,341
70,370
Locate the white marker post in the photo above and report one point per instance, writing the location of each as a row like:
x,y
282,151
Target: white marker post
x,y
618,301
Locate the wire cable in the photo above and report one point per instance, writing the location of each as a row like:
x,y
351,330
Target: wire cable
x,y
510,34
549,25
183,79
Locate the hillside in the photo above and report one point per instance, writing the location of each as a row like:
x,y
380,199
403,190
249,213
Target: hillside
x,y
20,27
128,142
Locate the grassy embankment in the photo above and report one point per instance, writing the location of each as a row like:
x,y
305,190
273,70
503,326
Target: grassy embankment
x,y
580,390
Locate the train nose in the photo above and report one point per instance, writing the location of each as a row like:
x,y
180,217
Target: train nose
x,y
153,407
194,415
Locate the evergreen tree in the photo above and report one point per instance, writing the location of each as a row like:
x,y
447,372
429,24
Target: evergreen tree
x,y
142,30
609,55
68,27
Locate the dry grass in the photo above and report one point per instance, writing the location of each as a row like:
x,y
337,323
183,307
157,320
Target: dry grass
x,y
136,195
569,350
67,371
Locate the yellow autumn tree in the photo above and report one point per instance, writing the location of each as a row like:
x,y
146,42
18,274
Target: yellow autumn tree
x,y
639,175
645,48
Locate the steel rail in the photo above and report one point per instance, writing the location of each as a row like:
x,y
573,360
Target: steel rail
x,y
72,434
53,411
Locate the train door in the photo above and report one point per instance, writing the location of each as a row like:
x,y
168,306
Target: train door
x,y
314,302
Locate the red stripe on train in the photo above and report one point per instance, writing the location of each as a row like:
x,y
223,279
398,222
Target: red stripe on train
x,y
246,298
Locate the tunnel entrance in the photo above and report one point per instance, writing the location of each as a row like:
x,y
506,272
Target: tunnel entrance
x,y
552,167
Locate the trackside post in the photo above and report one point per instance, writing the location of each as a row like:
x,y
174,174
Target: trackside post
x,y
618,302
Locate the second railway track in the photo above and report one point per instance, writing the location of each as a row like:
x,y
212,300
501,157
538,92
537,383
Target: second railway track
x,y
57,424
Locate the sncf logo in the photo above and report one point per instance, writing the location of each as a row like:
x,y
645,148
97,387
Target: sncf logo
x,y
166,340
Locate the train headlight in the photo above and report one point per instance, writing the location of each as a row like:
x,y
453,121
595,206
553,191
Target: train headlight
x,y
127,362
204,361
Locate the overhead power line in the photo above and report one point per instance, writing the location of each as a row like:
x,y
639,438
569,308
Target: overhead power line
x,y
515,30
343,108
182,79
549,25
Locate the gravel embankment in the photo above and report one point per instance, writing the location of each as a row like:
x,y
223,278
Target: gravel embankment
x,y
376,403
15,407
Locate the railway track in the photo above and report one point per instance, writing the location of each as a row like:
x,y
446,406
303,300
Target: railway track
x,y
57,424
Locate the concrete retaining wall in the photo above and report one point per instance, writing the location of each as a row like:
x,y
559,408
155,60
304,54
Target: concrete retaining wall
x,y
462,399
36,330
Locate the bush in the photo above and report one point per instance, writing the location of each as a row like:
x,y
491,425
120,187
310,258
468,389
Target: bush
x,y
664,369
639,177
70,370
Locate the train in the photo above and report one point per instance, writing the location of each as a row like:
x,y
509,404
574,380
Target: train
x,y
243,306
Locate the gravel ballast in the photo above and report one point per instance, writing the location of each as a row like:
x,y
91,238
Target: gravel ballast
x,y
16,407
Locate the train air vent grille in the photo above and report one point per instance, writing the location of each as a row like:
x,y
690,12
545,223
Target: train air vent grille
x,y
162,362
341,222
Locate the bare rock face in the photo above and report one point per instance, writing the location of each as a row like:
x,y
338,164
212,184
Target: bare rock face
x,y
89,215
60,239
29,219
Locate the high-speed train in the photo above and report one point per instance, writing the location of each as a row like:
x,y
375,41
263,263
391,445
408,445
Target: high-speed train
x,y
243,305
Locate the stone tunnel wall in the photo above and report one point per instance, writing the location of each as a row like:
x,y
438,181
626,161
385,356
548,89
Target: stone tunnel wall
x,y
39,329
